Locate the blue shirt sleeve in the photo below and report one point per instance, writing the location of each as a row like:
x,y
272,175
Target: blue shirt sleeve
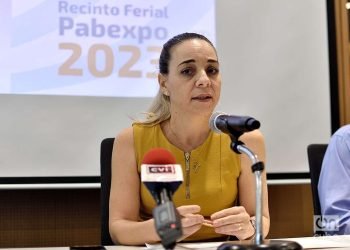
x,y
334,182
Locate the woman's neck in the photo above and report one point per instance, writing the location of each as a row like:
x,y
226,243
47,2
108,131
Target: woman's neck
x,y
186,134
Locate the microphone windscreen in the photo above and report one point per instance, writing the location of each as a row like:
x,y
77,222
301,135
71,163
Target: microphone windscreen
x,y
158,156
212,121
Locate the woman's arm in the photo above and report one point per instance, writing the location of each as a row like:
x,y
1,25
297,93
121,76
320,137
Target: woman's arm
x,y
246,184
124,224
124,207
237,220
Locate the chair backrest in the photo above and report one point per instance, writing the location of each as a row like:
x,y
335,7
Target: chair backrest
x,y
105,171
315,154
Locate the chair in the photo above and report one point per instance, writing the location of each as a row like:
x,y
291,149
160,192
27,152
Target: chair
x,y
315,154
105,169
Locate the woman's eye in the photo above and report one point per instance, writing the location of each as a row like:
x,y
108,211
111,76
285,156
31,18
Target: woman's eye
x,y
187,71
212,70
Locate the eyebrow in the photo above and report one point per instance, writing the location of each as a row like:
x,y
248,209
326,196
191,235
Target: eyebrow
x,y
192,60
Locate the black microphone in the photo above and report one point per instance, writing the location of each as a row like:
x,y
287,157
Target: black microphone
x,y
230,124
162,177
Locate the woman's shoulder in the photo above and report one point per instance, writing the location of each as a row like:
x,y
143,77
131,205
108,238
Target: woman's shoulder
x,y
127,132
136,129
140,128
253,136
125,135
254,140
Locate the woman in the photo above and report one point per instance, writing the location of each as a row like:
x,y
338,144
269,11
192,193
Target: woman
x,y
214,177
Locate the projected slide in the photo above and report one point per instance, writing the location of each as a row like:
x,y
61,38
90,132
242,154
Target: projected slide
x,y
92,48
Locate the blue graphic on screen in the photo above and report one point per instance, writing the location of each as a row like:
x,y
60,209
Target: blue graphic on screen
x,y
92,48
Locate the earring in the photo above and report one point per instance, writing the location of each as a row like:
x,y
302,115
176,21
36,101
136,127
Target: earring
x,y
166,93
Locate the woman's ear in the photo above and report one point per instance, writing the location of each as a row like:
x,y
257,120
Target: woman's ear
x,y
162,79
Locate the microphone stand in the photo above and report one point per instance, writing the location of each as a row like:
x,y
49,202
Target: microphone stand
x,y
257,168
257,242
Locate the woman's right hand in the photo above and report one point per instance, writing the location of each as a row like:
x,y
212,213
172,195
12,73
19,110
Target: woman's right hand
x,y
190,219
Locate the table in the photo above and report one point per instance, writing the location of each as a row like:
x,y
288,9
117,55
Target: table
x,y
340,242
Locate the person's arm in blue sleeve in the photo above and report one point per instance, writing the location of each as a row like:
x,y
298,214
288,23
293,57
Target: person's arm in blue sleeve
x,y
334,182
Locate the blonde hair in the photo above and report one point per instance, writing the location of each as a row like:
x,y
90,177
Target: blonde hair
x,y
158,112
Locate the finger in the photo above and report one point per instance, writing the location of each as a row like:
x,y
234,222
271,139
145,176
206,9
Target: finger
x,y
231,219
207,223
187,231
227,212
231,229
191,220
189,209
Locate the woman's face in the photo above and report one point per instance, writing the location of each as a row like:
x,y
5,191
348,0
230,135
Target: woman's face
x,y
194,81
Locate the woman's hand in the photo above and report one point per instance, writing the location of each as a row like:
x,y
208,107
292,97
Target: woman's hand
x,y
191,221
233,221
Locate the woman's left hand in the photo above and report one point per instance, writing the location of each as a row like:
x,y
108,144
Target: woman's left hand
x,y
233,221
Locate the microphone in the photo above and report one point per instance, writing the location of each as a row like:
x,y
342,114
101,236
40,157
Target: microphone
x,y
162,177
235,126
231,124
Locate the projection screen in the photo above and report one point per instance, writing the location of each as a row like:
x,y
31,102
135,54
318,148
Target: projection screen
x,y
75,72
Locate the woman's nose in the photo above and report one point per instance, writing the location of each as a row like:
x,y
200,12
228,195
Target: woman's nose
x,y
203,80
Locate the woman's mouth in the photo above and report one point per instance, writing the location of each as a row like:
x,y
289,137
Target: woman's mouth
x,y
202,98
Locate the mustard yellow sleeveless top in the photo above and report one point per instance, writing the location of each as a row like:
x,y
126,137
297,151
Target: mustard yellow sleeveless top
x,y
210,173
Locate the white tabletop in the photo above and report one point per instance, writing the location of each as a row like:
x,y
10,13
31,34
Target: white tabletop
x,y
321,242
